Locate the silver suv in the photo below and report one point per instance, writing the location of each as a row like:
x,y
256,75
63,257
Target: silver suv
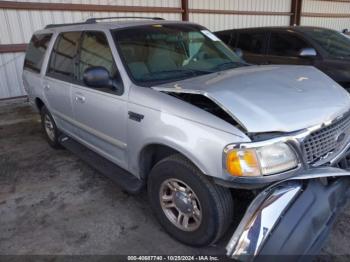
x,y
167,106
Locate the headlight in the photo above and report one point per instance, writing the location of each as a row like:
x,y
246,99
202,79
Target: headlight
x,y
260,161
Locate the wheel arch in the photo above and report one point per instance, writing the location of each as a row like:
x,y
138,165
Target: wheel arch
x,y
152,153
39,103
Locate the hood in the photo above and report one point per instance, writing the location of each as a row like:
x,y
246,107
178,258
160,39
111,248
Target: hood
x,y
270,98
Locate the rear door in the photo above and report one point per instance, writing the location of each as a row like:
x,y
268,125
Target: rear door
x,y
284,48
100,113
253,45
58,79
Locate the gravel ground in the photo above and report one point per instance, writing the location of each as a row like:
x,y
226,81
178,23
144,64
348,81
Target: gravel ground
x,y
52,203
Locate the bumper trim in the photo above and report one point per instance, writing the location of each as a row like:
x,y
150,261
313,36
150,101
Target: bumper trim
x,y
261,217
266,210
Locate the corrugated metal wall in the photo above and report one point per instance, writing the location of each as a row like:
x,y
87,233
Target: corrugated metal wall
x,y
10,75
226,21
327,8
17,26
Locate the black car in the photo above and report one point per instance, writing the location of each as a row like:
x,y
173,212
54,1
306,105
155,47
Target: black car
x,y
326,49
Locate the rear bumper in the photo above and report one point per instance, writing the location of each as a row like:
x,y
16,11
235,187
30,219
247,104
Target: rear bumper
x,y
292,217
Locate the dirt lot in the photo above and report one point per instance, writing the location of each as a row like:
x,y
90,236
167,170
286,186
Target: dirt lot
x,y
53,203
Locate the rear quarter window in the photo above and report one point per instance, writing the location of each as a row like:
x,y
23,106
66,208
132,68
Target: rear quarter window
x,y
36,52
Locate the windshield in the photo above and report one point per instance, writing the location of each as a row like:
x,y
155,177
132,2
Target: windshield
x,y
156,54
336,44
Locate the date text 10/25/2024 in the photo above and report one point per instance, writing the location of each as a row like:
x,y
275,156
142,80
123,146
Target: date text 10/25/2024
x,y
173,258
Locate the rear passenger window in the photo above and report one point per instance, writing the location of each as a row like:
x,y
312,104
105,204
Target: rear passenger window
x,y
224,37
36,52
233,39
95,51
63,55
286,44
229,38
251,42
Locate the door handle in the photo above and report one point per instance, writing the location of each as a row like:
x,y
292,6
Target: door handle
x,y
46,86
80,98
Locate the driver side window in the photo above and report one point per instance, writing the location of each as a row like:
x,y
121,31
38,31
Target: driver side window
x,y
95,51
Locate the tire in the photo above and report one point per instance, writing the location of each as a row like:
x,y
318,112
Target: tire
x,y
214,205
51,137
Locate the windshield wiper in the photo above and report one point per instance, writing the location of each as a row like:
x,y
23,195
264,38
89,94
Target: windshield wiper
x,y
176,73
194,72
229,65
199,71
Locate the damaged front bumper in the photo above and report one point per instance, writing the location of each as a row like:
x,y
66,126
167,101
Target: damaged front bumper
x,y
292,217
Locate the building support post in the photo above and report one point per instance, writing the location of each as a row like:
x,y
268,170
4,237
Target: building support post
x,y
184,7
296,10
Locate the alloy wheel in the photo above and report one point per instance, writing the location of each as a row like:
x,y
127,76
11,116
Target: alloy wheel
x,y
180,204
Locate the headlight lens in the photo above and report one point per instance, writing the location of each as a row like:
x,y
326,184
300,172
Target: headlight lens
x,y
260,161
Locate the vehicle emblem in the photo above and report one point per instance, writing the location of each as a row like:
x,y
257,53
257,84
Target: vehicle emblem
x,y
302,78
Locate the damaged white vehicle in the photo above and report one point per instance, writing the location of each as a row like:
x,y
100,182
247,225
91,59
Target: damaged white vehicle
x,y
167,105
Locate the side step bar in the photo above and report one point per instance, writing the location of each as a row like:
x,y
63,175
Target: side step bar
x,y
127,181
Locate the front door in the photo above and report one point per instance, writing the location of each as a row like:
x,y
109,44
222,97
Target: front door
x,y
100,113
284,48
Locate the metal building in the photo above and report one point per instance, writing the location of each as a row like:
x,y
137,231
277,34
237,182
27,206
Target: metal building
x,y
19,19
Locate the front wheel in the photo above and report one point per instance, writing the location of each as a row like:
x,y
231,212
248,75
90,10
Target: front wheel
x,y
192,209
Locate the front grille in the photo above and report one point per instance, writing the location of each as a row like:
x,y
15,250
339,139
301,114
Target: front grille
x,y
327,140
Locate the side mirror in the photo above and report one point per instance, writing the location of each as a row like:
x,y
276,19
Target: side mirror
x,y
307,52
98,77
238,52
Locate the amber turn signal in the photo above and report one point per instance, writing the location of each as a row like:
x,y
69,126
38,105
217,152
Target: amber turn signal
x,y
242,163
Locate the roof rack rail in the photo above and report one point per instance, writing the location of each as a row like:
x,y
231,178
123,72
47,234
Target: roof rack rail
x,y
94,20
58,25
